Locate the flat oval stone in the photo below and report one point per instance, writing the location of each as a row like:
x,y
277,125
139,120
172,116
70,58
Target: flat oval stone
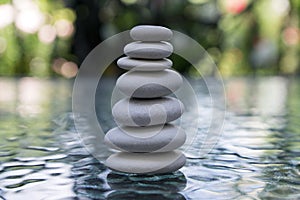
x,y
140,84
147,112
146,163
157,138
144,65
151,33
147,50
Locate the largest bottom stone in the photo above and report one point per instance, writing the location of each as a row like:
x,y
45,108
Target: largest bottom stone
x,y
146,163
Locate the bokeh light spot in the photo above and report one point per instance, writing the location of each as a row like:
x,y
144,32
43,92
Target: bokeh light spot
x,y
64,28
280,7
69,69
291,36
235,6
29,18
6,15
57,63
47,34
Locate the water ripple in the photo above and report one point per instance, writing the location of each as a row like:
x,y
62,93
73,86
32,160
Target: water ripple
x,y
257,156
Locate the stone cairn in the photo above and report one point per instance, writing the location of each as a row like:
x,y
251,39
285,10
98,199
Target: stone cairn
x,y
146,139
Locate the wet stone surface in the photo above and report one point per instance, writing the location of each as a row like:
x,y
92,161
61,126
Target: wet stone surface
x,y
257,156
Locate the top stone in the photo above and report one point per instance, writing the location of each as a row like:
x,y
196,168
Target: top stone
x,y
149,33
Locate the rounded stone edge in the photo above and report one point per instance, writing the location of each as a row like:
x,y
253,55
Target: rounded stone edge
x,y
127,120
135,90
157,65
149,50
181,160
177,141
138,35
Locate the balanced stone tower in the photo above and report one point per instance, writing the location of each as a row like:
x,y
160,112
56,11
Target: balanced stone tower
x,y
146,138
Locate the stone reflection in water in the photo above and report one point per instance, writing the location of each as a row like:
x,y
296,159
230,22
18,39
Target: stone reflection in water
x,y
133,186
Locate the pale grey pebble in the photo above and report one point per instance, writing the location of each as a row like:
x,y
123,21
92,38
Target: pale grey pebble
x,y
151,33
141,84
147,112
159,138
146,163
148,50
144,65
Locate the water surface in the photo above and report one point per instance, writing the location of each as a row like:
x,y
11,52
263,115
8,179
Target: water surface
x,y
257,156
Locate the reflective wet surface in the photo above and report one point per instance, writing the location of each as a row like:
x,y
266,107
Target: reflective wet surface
x,y
256,157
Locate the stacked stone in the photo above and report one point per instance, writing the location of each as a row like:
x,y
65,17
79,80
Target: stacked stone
x,y
146,139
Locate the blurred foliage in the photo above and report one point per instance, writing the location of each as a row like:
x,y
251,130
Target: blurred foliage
x,y
32,35
242,36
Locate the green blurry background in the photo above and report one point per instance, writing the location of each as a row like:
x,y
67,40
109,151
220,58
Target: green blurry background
x,y
47,38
